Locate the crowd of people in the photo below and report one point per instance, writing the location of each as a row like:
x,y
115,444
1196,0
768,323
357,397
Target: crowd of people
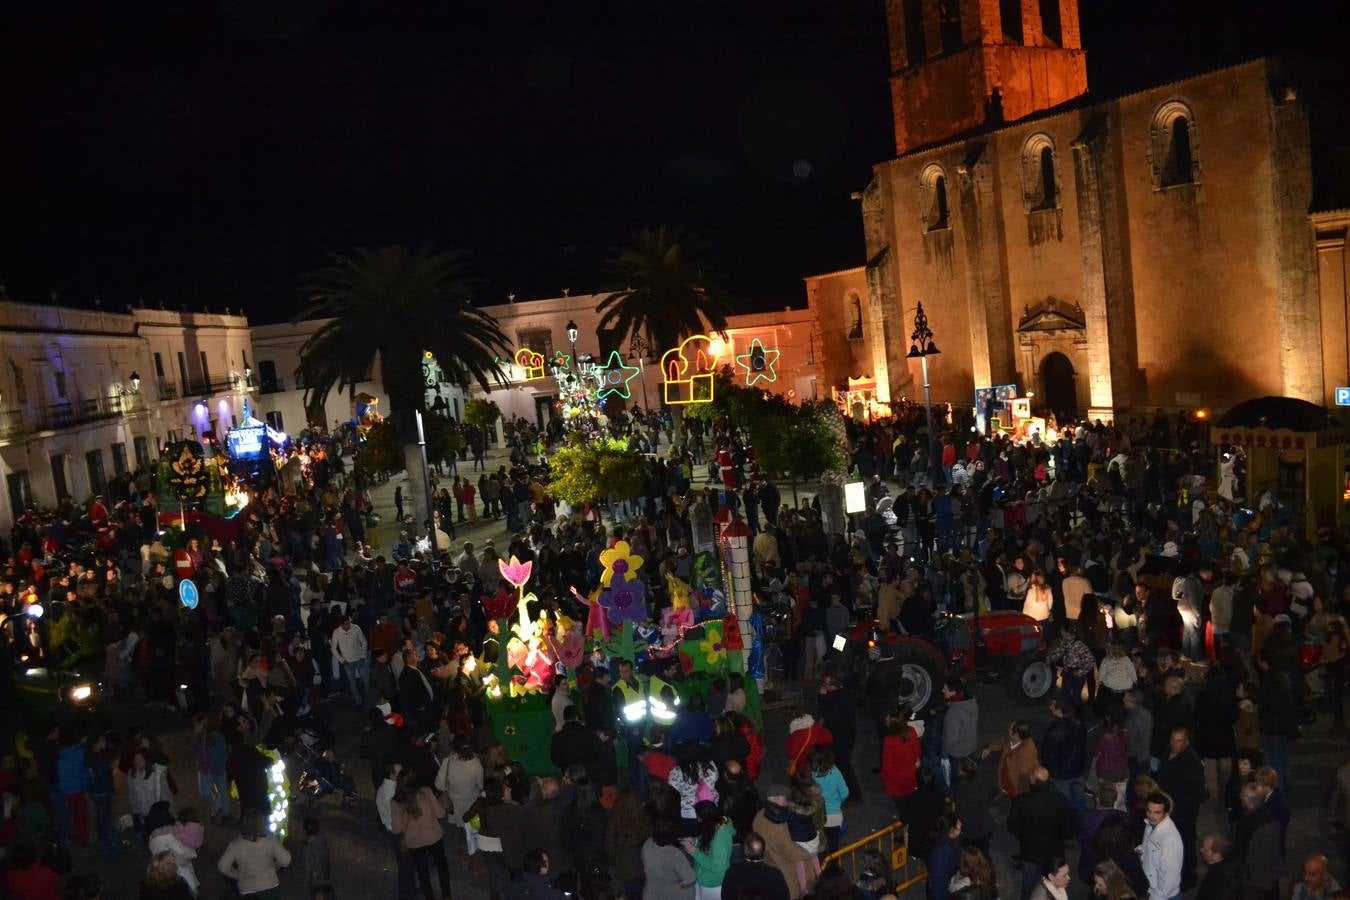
x,y
1179,622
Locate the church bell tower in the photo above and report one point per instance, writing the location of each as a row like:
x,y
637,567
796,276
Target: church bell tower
x,y
964,65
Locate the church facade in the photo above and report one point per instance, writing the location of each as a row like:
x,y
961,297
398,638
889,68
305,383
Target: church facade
x,y
1152,250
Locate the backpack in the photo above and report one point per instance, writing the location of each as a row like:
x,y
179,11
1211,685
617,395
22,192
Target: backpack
x,y
1113,755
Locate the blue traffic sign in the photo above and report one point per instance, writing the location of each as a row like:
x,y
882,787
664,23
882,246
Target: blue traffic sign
x,y
187,592
1343,396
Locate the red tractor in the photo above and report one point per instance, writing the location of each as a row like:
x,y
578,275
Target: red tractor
x,y
1014,652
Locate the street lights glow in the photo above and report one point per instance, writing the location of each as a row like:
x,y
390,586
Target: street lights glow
x,y
572,333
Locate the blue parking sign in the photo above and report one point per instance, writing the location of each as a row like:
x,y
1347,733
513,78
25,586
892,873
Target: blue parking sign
x,y
1343,396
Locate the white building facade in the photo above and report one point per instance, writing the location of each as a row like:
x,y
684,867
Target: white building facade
x,y
86,395
281,389
542,326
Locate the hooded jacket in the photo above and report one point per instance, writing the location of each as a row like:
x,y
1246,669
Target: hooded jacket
x,y
958,734
805,734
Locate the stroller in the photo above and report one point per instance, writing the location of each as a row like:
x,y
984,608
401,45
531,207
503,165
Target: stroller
x,y
309,748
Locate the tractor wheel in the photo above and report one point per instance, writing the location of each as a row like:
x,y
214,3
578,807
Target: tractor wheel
x,y
1031,679
922,671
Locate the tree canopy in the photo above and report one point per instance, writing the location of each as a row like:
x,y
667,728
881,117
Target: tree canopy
x,y
390,306
586,471
660,287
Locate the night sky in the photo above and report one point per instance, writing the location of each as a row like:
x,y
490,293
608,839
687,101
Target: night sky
x,y
210,157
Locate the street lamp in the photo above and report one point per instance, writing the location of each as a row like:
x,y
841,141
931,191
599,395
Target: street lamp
x,y
135,382
572,338
921,347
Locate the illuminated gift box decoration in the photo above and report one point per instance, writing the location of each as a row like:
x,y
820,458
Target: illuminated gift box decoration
x,y
531,363
688,369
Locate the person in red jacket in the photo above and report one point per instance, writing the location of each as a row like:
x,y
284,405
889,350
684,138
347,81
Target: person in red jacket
x,y
755,757
804,735
900,753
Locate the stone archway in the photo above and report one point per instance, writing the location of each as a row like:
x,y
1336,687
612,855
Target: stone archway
x,y
1059,386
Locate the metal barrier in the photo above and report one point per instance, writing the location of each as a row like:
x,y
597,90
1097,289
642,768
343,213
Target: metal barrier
x,y
892,842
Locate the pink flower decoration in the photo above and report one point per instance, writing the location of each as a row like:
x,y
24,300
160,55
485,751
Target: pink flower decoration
x,y
516,572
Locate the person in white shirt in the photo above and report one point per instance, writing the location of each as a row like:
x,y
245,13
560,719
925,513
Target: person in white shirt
x,y
384,803
1161,851
353,653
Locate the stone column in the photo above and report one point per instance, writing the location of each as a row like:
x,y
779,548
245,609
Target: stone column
x,y
1108,298
986,296
740,598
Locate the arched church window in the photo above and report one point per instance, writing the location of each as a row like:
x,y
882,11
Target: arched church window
x,y
933,198
1172,146
1040,175
855,328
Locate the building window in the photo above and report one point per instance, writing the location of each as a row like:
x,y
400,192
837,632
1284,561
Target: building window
x,y
1010,14
119,453
93,461
1050,22
182,371
20,493
949,18
59,487
855,328
540,340
274,419
159,367
914,42
20,388
142,450
1173,145
206,371
933,198
61,385
1040,175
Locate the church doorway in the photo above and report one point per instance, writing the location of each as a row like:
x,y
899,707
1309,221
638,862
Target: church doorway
x,y
1059,391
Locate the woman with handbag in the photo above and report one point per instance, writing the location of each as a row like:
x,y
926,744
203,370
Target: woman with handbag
x,y
416,814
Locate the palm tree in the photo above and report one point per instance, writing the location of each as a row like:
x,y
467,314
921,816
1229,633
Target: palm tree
x,y
660,289
391,306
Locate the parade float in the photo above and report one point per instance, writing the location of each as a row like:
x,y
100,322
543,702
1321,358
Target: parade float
x,y
711,627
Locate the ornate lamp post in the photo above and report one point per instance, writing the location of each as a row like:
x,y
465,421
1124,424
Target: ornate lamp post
x,y
921,347
572,332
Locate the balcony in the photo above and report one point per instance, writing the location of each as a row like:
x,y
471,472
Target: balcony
x,y
167,390
275,386
11,423
77,412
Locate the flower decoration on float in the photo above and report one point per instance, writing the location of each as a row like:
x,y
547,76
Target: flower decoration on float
x,y
760,364
619,560
623,601
712,648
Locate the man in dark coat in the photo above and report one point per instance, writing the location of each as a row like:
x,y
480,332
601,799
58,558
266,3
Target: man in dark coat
x,y
574,744
415,693
1064,753
754,877
1043,821
1182,777
839,713
1172,711
1224,877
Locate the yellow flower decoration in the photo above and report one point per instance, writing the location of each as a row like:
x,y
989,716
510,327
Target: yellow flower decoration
x,y
711,645
619,558
564,623
679,592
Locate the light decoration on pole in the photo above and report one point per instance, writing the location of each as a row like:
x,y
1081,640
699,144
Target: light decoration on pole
x,y
688,370
615,377
760,364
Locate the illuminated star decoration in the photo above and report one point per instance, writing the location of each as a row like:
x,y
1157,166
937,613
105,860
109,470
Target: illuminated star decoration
x,y
758,363
615,376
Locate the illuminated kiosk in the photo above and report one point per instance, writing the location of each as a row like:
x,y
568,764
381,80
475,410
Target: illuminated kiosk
x,y
709,633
